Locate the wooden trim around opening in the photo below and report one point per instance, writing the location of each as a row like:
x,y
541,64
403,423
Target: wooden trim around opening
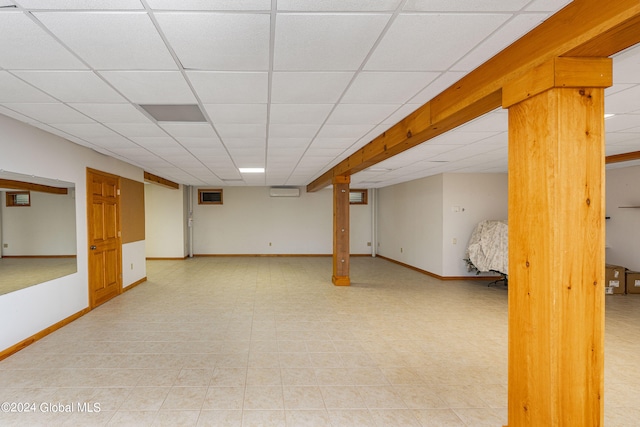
x,y
166,258
155,179
202,191
271,255
12,197
39,256
624,157
365,196
29,186
43,333
445,278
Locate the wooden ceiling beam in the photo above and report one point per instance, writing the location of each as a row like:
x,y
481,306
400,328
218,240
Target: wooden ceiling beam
x,y
584,28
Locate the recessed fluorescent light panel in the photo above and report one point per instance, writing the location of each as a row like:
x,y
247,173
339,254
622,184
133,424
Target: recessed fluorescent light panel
x,y
251,170
174,113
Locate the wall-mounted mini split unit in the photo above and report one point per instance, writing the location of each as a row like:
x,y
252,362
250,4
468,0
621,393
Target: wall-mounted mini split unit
x,y
284,192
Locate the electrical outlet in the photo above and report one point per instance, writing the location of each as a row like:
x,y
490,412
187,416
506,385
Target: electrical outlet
x,y
132,266
454,241
6,245
400,250
368,243
269,243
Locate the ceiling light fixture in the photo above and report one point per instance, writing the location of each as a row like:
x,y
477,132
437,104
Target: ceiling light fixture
x,y
607,115
251,170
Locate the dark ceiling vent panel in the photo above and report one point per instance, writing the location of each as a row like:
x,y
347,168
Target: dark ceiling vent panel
x,y
174,113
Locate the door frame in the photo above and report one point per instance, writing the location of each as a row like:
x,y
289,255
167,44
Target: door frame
x,y
91,293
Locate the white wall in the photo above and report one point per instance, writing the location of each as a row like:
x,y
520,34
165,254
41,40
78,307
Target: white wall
x,y
623,228
164,222
47,227
476,197
418,216
30,151
250,219
134,266
410,223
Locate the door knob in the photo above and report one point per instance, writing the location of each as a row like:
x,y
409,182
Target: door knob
x,y
93,248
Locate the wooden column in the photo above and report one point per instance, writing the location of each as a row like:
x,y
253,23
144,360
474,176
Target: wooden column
x,y
341,231
556,243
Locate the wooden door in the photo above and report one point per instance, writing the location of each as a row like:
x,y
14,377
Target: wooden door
x,y
105,247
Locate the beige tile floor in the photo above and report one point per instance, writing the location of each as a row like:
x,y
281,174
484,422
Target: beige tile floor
x,y
270,342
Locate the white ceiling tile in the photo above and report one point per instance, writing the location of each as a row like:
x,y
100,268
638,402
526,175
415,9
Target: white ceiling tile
x,y
228,130
253,5
323,152
634,129
394,53
137,129
151,87
202,144
626,66
238,42
338,5
620,123
88,130
370,114
441,83
299,113
113,142
495,121
248,158
50,113
390,87
14,115
172,154
623,101
195,130
507,34
71,86
153,142
283,156
547,5
230,88
237,113
334,142
320,42
112,113
27,46
621,138
245,143
308,88
616,87
371,135
344,131
464,6
293,131
15,90
81,4
499,140
111,40
285,143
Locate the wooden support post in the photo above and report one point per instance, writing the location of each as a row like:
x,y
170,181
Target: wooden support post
x,y
341,231
556,243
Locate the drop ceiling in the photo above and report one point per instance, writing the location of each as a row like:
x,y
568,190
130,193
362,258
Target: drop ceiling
x,y
292,86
